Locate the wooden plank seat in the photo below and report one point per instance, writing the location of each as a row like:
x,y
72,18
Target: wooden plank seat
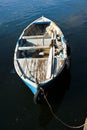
x,y
33,47
36,37
40,40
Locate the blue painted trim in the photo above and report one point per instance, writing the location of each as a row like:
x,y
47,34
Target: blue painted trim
x,y
32,88
48,23
63,39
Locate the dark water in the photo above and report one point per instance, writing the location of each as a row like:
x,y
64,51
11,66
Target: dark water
x,y
69,99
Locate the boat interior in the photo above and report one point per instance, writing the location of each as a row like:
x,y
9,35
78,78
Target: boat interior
x,y
34,58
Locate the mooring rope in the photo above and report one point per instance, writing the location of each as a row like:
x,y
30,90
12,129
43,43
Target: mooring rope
x,y
51,110
57,118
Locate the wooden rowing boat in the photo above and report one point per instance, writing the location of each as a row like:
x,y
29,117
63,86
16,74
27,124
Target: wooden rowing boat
x,y
40,54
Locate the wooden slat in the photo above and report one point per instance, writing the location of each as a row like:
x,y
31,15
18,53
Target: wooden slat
x,y
33,47
35,37
50,62
33,68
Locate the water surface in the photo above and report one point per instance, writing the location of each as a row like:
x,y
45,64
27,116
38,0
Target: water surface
x,y
69,99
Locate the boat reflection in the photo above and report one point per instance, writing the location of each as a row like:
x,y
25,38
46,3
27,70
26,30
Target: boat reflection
x,y
55,97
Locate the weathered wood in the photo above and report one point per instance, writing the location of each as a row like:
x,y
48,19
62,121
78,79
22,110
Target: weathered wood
x,y
33,47
35,37
50,62
33,68
36,67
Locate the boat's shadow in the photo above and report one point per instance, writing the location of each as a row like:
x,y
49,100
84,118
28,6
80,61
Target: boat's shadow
x,y
55,97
